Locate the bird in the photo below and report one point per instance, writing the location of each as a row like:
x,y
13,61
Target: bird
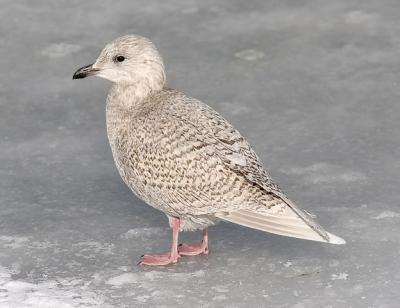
x,y
183,158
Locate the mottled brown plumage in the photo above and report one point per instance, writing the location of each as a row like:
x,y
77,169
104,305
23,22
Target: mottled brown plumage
x,y
183,158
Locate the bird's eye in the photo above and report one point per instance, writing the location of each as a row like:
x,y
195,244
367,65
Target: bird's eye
x,y
119,58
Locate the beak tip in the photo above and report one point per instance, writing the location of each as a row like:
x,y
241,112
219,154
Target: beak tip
x,y
84,72
78,75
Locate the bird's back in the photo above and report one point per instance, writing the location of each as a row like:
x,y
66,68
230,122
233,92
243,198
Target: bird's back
x,y
167,153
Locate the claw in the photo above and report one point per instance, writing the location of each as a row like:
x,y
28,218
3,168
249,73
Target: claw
x,y
159,260
165,258
195,249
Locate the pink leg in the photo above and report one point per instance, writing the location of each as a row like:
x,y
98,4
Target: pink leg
x,y
169,257
195,249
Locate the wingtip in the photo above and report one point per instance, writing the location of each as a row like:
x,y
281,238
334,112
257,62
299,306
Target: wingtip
x,y
333,239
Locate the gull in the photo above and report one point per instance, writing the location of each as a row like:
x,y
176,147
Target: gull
x,y
181,157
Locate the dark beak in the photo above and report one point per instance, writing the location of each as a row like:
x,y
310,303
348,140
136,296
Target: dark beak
x,y
85,71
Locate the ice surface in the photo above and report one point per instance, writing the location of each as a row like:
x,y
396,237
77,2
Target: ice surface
x,y
46,294
60,50
122,279
250,54
387,214
314,86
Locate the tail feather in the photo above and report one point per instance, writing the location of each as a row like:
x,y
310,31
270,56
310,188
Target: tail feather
x,y
286,223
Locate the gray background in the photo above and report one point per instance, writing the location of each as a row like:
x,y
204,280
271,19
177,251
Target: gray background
x,y
313,85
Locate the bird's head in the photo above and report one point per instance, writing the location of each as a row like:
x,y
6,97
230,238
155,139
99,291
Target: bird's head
x,y
128,60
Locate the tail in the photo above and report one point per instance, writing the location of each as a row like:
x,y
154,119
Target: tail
x,y
285,221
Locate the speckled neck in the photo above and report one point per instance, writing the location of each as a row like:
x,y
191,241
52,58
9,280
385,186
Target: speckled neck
x,y
125,97
123,102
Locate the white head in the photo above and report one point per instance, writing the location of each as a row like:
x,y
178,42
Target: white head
x,y
128,60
